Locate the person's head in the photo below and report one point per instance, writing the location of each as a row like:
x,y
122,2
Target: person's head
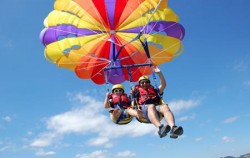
x,y
144,81
118,89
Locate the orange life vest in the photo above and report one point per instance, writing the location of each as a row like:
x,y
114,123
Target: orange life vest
x,y
145,95
122,100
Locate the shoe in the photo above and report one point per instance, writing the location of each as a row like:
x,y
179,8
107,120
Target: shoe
x,y
163,130
176,131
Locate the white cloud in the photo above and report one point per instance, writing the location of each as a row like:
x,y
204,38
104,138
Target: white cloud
x,y
5,148
82,120
226,139
231,119
29,133
8,44
7,119
100,141
41,152
181,105
198,139
126,153
88,119
133,129
95,154
241,66
247,83
45,139
186,118
217,129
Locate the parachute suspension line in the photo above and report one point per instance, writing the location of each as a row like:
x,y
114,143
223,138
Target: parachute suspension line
x,y
119,51
130,76
156,8
130,81
140,33
113,50
154,79
145,46
106,80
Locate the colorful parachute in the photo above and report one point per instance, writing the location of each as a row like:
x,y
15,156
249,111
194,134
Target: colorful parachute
x,y
88,36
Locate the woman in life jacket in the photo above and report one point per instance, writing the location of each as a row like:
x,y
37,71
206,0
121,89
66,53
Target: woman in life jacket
x,y
119,103
147,96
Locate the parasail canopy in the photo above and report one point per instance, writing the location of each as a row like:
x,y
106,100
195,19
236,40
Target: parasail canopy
x,y
87,36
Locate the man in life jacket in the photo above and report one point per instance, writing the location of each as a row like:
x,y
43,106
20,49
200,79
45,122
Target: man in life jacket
x,y
120,104
147,95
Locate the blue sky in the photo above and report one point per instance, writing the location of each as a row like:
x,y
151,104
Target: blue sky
x,y
48,112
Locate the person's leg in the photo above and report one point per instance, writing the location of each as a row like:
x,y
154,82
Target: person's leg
x,y
154,119
152,115
135,113
116,113
169,117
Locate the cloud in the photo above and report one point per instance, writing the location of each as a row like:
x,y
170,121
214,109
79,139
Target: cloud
x,y
100,141
242,64
7,119
198,139
226,139
95,154
89,118
186,118
181,105
41,152
8,44
45,139
5,148
126,153
231,119
247,83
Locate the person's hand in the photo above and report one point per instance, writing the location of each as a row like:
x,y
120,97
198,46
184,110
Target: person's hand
x,y
132,90
157,70
107,94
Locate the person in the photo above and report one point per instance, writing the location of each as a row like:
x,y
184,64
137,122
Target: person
x,y
120,104
147,95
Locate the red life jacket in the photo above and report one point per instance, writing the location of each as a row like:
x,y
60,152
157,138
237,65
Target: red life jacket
x,y
146,94
122,100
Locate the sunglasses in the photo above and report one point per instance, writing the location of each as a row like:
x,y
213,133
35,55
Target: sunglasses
x,y
118,90
143,82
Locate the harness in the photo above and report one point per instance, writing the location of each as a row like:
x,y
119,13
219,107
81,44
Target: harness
x,y
115,64
121,102
147,96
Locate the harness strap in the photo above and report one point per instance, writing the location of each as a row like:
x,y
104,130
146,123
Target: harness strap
x,y
122,116
106,80
146,49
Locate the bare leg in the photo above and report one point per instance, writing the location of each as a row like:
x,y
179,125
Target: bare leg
x,y
135,113
168,115
152,115
116,113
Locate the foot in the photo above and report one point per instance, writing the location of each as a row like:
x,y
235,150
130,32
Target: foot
x,y
163,130
176,131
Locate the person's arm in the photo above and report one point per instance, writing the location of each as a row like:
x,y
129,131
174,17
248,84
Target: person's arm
x,y
106,101
163,84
